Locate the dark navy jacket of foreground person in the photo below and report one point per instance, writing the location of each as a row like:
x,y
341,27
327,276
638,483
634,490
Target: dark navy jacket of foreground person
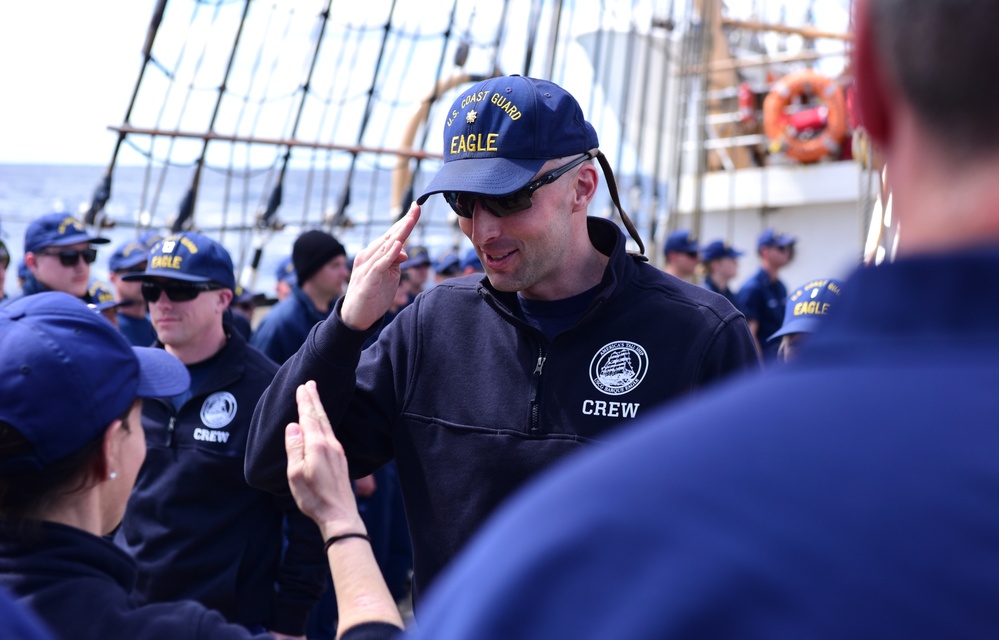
x,y
194,526
851,494
82,586
472,401
19,623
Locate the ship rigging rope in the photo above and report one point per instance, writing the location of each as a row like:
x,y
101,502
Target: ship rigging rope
x,y
393,50
401,173
532,39
553,39
572,28
683,90
659,206
241,143
187,204
624,121
265,222
340,214
500,33
338,211
157,189
245,174
328,102
95,215
597,57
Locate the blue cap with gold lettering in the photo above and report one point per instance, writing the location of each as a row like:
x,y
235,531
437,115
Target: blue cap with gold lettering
x,y
128,255
57,230
190,257
500,132
807,306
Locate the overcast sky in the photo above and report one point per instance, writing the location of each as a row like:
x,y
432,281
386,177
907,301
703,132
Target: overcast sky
x,y
67,68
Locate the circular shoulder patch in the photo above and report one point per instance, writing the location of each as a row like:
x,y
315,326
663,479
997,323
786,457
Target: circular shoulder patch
x,y
619,367
218,410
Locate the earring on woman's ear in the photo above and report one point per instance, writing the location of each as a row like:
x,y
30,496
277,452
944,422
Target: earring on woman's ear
x,y
112,475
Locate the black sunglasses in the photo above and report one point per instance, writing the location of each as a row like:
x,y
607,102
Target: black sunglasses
x,y
176,291
69,257
463,202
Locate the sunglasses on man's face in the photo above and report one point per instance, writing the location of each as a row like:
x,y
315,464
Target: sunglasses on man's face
x,y
69,257
463,202
175,291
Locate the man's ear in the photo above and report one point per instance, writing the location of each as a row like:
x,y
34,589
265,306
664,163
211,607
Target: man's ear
x,y
31,261
875,89
586,183
225,297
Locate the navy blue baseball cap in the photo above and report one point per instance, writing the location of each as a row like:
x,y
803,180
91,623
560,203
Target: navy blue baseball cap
x,y
499,133
285,270
100,292
471,259
418,257
681,241
67,373
150,237
242,295
102,298
771,238
190,257
448,264
128,255
808,305
719,249
57,230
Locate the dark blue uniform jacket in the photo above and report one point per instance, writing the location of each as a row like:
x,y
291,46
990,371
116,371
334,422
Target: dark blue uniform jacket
x,y
286,326
82,588
763,300
472,402
138,331
728,293
193,524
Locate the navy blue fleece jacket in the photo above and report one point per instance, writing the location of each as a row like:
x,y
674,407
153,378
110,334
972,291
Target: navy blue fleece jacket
x,y
472,401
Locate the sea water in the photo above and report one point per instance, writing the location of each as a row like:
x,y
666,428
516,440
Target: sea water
x,y
225,212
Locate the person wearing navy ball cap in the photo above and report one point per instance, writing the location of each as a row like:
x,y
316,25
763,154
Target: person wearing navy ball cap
x,y
487,380
236,549
58,252
721,265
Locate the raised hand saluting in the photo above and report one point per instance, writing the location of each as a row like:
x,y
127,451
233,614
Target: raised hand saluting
x,y
375,278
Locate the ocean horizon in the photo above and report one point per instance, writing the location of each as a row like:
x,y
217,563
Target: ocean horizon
x,y
28,191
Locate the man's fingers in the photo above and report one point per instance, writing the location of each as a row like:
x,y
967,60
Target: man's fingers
x,y
294,446
386,250
315,423
400,230
311,404
309,419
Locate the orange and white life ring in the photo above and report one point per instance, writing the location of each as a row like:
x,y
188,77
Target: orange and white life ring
x,y
779,125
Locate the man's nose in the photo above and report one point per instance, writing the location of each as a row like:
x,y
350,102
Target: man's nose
x,y
486,225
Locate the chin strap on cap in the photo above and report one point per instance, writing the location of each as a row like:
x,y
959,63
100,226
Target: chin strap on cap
x,y
612,187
